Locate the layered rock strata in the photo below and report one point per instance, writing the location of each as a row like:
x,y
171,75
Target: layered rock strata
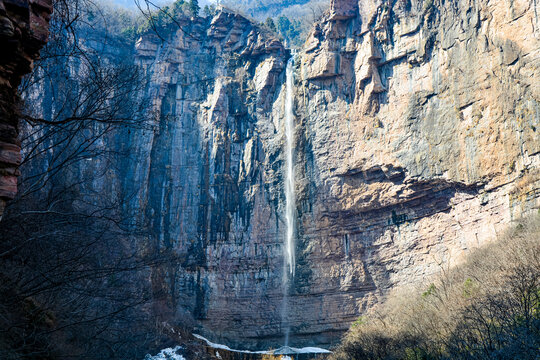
x,y
416,140
419,141
24,28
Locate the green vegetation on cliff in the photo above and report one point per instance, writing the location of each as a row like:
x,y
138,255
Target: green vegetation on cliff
x,y
292,20
162,20
486,308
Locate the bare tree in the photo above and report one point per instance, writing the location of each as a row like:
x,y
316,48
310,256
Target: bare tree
x,y
74,277
486,308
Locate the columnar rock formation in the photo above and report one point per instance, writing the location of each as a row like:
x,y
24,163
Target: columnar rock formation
x,y
209,178
417,140
23,32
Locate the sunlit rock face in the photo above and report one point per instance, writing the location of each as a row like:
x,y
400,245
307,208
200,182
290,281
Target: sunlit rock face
x,y
24,28
418,130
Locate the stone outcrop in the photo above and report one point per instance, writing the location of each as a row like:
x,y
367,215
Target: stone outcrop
x,y
208,174
23,32
343,9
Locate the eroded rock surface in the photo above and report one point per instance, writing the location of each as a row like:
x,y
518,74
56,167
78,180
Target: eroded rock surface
x,y
208,175
418,141
24,28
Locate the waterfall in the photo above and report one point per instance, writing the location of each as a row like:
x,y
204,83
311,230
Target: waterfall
x,y
290,199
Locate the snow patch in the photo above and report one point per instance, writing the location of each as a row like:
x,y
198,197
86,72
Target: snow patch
x,y
286,350
311,350
225,347
167,354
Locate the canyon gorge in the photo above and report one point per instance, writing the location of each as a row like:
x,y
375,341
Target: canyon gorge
x,y
403,135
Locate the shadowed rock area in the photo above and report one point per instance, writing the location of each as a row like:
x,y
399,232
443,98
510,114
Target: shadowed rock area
x,y
24,28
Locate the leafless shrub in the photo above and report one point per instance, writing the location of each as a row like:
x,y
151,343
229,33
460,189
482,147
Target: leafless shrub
x,y
485,308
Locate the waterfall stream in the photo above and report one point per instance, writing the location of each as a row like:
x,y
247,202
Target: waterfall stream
x,y
285,352
290,199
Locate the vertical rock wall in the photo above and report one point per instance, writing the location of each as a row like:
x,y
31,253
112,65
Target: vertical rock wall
x,y
419,141
208,174
416,140
23,32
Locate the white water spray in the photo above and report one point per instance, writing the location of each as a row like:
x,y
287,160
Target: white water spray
x,y
290,198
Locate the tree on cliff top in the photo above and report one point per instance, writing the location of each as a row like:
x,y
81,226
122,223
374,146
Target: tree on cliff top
x,y
194,7
164,20
301,13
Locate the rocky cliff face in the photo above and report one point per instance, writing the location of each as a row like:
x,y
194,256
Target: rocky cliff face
x,y
416,140
23,32
208,175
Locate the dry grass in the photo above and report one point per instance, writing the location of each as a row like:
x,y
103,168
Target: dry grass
x,y
486,308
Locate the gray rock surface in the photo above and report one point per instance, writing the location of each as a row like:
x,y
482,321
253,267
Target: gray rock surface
x,y
416,141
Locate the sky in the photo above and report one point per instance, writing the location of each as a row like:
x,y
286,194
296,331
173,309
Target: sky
x,y
131,3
